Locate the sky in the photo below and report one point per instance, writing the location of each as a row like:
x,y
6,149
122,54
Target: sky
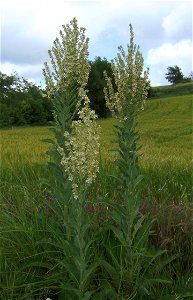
x,y
163,30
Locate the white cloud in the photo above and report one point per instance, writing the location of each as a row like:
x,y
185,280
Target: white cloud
x,y
179,21
22,70
169,54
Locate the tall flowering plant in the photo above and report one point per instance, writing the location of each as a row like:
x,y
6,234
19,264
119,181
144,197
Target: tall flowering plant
x,y
75,154
78,147
129,265
124,102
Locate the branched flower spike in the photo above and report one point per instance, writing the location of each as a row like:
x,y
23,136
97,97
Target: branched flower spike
x,y
130,80
69,66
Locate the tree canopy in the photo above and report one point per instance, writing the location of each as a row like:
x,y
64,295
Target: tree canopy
x,y
96,84
22,102
174,74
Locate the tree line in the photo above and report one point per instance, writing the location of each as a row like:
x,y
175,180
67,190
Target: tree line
x,y
24,103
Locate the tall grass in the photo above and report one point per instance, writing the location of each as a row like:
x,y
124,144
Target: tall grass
x,y
34,252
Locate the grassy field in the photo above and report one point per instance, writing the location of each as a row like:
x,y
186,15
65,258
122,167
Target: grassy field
x,y
165,128
34,240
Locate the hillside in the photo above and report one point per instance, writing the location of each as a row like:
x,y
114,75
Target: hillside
x,y
171,90
165,127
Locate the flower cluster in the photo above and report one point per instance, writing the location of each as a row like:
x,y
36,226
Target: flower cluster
x,y
130,80
69,59
82,164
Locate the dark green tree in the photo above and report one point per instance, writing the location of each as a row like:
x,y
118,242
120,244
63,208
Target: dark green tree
x,y
96,84
174,75
6,116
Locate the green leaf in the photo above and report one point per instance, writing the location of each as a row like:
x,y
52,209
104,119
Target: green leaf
x,y
68,292
119,234
90,273
106,290
113,272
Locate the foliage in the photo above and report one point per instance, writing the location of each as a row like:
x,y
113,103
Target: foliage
x,y
22,103
175,75
96,84
32,232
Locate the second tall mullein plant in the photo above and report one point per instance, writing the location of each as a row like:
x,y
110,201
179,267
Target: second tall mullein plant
x,y
132,84
127,263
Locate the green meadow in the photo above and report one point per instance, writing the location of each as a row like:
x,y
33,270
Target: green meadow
x,y
165,130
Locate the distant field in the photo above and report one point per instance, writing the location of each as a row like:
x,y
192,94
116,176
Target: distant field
x,y
165,127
